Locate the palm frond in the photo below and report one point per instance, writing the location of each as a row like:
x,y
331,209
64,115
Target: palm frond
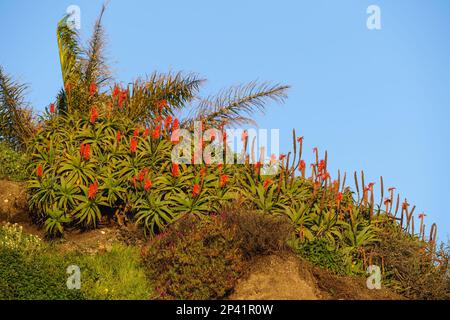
x,y
177,89
16,117
69,50
235,105
96,68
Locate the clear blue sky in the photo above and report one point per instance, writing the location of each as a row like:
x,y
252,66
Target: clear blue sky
x,y
376,100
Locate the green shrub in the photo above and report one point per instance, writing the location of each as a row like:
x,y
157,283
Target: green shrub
x,y
322,254
194,259
409,267
258,233
13,164
12,237
33,277
114,275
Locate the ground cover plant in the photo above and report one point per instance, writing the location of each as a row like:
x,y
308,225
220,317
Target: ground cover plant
x,y
101,152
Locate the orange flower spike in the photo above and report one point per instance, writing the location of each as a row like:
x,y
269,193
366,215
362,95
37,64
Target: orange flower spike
x,y
195,190
223,180
146,133
87,152
136,132
119,136
39,171
175,124
133,145
93,189
52,108
82,146
167,122
94,114
339,198
116,91
175,170
156,132
300,139
92,89
147,184
267,183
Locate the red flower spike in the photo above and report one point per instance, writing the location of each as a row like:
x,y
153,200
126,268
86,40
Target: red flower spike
x,y
147,184
339,198
267,183
39,171
300,139
52,108
94,114
282,156
175,170
302,165
146,133
87,152
82,149
156,132
93,189
223,180
175,124
136,132
321,166
119,136
116,91
167,122
133,145
92,89
195,190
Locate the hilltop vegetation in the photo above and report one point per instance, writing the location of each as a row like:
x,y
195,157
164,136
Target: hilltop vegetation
x,y
101,154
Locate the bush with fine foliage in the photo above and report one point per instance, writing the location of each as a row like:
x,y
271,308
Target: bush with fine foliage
x,y
194,259
321,254
13,163
414,268
258,233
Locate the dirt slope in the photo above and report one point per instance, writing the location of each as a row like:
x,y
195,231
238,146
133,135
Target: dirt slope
x,y
289,278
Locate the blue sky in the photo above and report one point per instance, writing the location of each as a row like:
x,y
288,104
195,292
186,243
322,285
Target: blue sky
x,y
377,100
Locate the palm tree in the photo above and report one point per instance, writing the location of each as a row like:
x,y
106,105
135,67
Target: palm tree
x,y
85,66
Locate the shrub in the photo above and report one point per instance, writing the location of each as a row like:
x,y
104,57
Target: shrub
x,y
13,163
12,237
114,275
412,267
33,277
195,259
258,233
322,254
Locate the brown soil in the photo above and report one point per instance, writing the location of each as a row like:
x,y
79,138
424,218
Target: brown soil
x,y
277,278
287,277
13,202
